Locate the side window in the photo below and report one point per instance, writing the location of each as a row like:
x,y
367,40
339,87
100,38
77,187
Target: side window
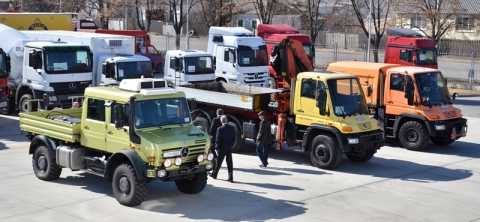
x,y
308,88
397,82
406,55
226,56
126,111
96,109
30,59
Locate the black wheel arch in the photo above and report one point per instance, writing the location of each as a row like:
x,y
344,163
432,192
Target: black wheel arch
x,y
405,117
121,157
314,130
204,113
41,139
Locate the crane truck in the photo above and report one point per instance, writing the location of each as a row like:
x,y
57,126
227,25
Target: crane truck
x,y
129,134
240,57
325,113
50,71
412,104
113,55
273,35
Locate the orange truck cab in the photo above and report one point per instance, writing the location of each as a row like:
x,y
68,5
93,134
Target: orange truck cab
x,y
273,35
142,45
411,104
410,48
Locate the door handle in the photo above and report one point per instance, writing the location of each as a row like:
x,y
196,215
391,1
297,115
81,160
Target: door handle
x,y
110,132
86,127
224,72
300,110
390,101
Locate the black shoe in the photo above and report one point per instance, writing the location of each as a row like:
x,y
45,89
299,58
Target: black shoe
x,y
213,176
230,180
262,165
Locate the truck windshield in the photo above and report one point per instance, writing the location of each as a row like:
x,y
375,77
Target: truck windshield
x,y
3,66
251,57
199,65
160,112
72,59
347,97
427,56
133,70
432,89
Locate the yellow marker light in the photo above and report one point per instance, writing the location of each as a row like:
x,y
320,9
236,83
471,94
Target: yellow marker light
x,y
151,159
132,147
434,117
347,128
66,141
138,148
330,124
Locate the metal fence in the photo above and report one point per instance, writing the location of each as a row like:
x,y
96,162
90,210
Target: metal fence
x,y
457,59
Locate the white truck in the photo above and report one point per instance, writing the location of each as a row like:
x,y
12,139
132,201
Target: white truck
x,y
193,67
240,56
51,71
114,57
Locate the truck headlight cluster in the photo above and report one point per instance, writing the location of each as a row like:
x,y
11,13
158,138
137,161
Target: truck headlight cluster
x,y
178,161
200,158
210,156
439,127
167,163
352,140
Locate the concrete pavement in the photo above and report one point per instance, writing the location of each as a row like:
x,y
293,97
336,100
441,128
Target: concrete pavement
x,y
438,184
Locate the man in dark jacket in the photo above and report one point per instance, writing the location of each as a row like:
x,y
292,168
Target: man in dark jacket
x,y
223,144
213,134
264,138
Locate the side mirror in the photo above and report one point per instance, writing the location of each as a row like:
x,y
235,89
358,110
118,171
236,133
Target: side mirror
x,y
369,91
409,91
119,116
321,101
37,60
454,96
104,70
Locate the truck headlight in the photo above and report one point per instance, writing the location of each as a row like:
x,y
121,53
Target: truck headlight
x,y
52,98
167,163
178,161
200,158
210,156
209,166
439,127
352,140
162,173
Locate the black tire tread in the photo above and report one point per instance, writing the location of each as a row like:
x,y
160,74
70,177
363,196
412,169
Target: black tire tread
x,y
424,136
140,187
239,141
330,142
368,155
53,171
193,186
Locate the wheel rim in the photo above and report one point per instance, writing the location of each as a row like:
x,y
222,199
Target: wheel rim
x,y
42,163
271,83
322,153
411,136
24,105
124,185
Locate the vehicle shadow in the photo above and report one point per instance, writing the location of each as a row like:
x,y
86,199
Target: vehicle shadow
x,y
10,136
457,148
466,102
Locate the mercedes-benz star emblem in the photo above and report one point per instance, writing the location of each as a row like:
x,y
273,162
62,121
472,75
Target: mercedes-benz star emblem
x,y
185,151
364,125
255,76
72,86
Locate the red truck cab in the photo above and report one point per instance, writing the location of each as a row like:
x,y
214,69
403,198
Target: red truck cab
x,y
410,48
273,35
4,91
142,46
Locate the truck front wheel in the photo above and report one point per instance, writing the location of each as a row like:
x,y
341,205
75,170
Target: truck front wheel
x,y
128,190
414,136
193,185
44,166
366,157
442,141
325,152
25,106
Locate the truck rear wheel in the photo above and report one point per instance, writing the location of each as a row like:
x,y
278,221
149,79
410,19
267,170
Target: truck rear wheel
x,y
414,136
442,141
44,166
128,190
239,141
366,157
193,185
202,124
325,152
25,106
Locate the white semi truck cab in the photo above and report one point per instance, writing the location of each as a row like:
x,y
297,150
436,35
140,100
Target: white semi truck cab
x,y
240,56
51,71
193,67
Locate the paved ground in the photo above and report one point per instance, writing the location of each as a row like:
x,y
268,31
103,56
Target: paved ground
x,y
438,184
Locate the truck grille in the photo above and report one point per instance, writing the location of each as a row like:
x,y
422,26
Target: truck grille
x,y
202,141
255,77
364,126
70,87
192,155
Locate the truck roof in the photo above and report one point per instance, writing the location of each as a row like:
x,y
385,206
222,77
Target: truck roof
x,y
279,37
325,75
362,65
276,29
187,53
40,44
229,31
413,69
115,93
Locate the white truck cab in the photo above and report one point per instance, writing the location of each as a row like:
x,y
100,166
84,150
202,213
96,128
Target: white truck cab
x,y
193,67
240,56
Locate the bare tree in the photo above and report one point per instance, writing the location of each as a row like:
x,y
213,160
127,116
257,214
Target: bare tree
x,y
180,16
380,10
217,12
265,9
16,4
153,11
438,15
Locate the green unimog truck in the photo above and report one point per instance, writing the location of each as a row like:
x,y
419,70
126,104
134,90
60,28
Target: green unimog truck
x,y
130,134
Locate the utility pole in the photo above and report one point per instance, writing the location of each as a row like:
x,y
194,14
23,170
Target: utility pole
x,y
369,31
187,45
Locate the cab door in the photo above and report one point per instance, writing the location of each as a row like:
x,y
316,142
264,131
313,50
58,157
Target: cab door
x,y
306,109
93,128
395,98
117,138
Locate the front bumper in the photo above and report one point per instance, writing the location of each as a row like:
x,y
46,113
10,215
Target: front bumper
x,y
183,171
455,128
366,141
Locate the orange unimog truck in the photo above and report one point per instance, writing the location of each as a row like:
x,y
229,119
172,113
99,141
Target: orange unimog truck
x,y
411,104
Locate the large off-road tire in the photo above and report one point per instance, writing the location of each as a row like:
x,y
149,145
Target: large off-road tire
x,y
239,141
128,190
24,105
44,166
442,141
202,124
368,155
325,152
414,136
271,83
194,185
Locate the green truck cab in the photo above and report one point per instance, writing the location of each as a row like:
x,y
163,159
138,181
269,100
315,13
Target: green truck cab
x,y
130,134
